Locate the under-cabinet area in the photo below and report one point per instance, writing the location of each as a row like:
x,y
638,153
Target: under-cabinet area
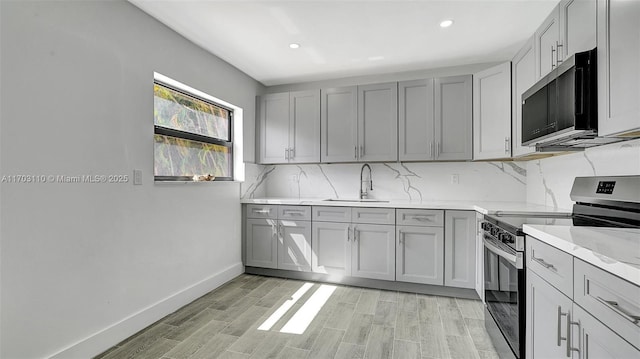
x,y
397,245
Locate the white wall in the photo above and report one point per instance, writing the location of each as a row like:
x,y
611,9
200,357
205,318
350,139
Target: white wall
x,y
424,181
549,180
97,261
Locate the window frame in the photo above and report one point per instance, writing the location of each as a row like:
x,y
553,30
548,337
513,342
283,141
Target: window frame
x,y
196,137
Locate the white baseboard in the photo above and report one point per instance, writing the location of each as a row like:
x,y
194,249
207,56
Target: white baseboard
x,y
113,334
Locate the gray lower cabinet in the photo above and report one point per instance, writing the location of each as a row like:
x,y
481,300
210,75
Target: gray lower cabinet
x,y
261,243
594,340
331,248
373,251
419,255
460,249
547,311
294,245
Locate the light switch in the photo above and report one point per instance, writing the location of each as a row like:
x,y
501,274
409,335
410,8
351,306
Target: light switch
x,y
455,179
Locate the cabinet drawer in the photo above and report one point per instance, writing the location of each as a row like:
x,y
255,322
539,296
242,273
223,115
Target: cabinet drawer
x,y
552,264
301,213
331,214
373,215
262,211
614,301
420,217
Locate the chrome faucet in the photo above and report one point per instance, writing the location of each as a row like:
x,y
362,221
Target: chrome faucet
x,y
363,190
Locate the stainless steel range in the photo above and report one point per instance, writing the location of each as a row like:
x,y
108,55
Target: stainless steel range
x,y
599,202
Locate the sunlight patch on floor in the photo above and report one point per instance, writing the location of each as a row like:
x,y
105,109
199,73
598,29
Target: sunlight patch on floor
x,y
284,308
305,315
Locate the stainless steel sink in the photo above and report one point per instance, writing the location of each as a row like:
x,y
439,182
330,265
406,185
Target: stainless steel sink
x,y
356,200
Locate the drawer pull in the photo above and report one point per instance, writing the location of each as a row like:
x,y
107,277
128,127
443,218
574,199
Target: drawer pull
x,y
543,263
262,211
422,218
618,309
292,212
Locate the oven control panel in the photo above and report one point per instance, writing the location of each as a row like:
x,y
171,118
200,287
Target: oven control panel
x,y
606,187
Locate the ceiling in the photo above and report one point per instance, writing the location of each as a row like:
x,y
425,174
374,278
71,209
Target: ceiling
x,y
350,38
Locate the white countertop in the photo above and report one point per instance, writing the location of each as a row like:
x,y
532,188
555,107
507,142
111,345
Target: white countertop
x,y
615,250
484,207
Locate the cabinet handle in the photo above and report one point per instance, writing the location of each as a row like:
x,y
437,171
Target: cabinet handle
x,y
261,211
438,149
361,151
506,144
618,309
569,336
401,238
558,59
292,153
295,212
553,64
348,234
355,235
430,148
355,152
543,263
421,219
286,153
280,230
560,315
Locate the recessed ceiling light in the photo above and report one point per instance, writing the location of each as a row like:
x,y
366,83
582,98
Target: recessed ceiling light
x,y
446,23
293,45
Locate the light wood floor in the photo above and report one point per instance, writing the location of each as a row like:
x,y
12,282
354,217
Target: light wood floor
x,y
352,323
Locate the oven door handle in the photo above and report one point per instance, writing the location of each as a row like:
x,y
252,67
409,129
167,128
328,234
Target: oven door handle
x,y
514,259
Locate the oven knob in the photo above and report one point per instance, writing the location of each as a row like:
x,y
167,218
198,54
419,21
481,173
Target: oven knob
x,y
494,231
506,238
484,226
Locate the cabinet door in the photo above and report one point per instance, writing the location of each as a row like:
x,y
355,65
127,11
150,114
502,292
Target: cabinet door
x,y
338,129
373,251
618,70
415,120
262,243
460,249
378,122
304,135
274,128
294,245
420,255
577,26
331,243
547,37
453,118
492,113
595,341
546,323
523,67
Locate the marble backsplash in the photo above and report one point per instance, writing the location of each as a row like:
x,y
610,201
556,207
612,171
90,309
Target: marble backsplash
x,y
546,181
425,181
549,180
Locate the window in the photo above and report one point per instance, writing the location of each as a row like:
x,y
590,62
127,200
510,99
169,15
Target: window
x,y
193,137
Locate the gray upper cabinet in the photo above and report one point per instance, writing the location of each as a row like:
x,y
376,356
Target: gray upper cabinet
x,y
618,70
460,249
304,127
577,26
453,118
290,127
274,128
416,120
547,39
339,131
523,67
492,113
378,122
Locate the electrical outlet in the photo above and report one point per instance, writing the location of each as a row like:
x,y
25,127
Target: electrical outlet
x,y
293,178
137,177
455,179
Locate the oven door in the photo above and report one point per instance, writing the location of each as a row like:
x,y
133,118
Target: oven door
x,y
505,293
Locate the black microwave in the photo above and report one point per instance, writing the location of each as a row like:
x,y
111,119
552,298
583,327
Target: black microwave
x,y
562,106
